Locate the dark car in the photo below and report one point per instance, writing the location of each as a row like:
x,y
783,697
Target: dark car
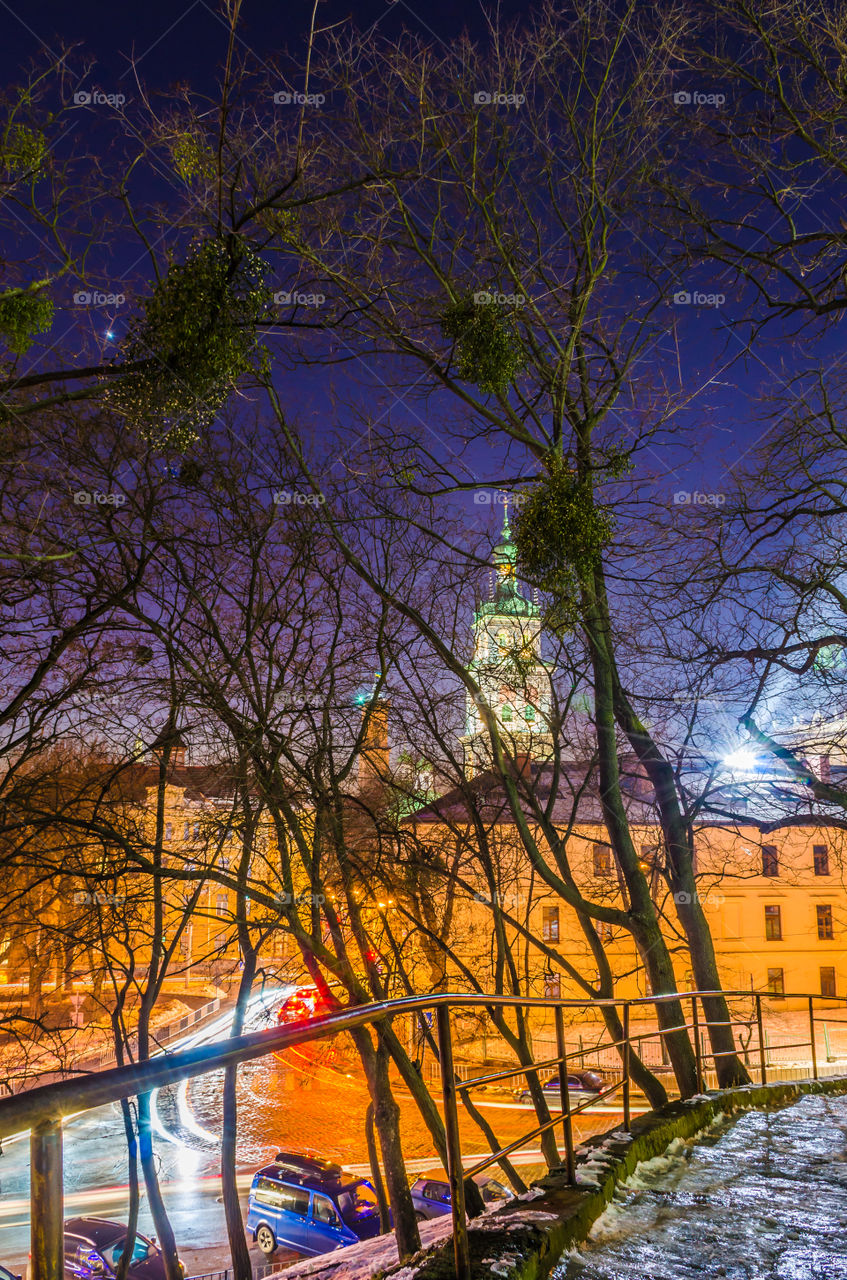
x,y
311,1205
582,1085
6,1274
431,1197
93,1247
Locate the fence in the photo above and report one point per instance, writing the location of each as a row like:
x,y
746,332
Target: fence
x,y
42,1109
260,1270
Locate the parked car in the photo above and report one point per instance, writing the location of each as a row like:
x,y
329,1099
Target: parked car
x,y
582,1085
432,1199
93,1247
6,1274
310,1205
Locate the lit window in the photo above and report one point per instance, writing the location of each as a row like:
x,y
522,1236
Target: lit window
x,y
828,981
602,859
821,853
552,986
550,924
824,914
770,860
776,982
773,924
221,905
169,831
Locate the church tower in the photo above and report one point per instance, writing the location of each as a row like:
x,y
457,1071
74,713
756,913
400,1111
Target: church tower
x,y
513,679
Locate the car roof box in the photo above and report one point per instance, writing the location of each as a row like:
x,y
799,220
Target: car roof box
x,y
308,1164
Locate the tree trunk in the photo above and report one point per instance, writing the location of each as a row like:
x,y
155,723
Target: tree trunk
x,y
429,1112
132,1170
238,1246
386,1119
376,1172
164,1230
729,1067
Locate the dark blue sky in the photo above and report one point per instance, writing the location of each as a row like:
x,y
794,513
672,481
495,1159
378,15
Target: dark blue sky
x,y
185,42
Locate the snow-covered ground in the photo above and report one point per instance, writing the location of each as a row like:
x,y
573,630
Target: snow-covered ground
x,y
761,1197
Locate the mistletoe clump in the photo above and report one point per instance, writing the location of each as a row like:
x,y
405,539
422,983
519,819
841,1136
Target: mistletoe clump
x,y
560,534
191,157
23,150
22,316
488,351
195,339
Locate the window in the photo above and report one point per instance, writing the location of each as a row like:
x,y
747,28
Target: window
x,y
776,982
824,914
821,860
280,1196
169,831
507,714
323,1210
770,860
552,986
827,981
185,830
602,859
550,924
773,924
221,905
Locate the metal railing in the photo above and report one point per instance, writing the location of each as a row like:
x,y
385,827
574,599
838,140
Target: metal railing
x,y
42,1109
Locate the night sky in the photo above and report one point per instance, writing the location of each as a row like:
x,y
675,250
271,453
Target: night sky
x,y
185,42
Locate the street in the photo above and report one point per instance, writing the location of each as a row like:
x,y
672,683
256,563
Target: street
x,y
314,1099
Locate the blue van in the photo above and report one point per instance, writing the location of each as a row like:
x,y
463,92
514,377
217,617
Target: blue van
x,y
311,1205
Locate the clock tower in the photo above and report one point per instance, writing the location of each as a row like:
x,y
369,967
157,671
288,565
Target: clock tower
x,y
513,679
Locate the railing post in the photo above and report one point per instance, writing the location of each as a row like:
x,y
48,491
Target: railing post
x,y
455,1173
567,1122
698,1053
812,1037
46,1196
625,1058
762,1064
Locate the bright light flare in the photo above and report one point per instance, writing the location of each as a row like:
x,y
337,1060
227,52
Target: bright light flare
x,y
742,760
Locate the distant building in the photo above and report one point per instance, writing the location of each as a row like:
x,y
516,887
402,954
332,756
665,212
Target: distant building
x,y
508,668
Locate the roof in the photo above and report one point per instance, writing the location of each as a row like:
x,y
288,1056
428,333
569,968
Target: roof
x,y
577,797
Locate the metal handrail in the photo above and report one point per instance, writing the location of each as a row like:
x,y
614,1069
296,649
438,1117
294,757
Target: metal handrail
x,y
42,1108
